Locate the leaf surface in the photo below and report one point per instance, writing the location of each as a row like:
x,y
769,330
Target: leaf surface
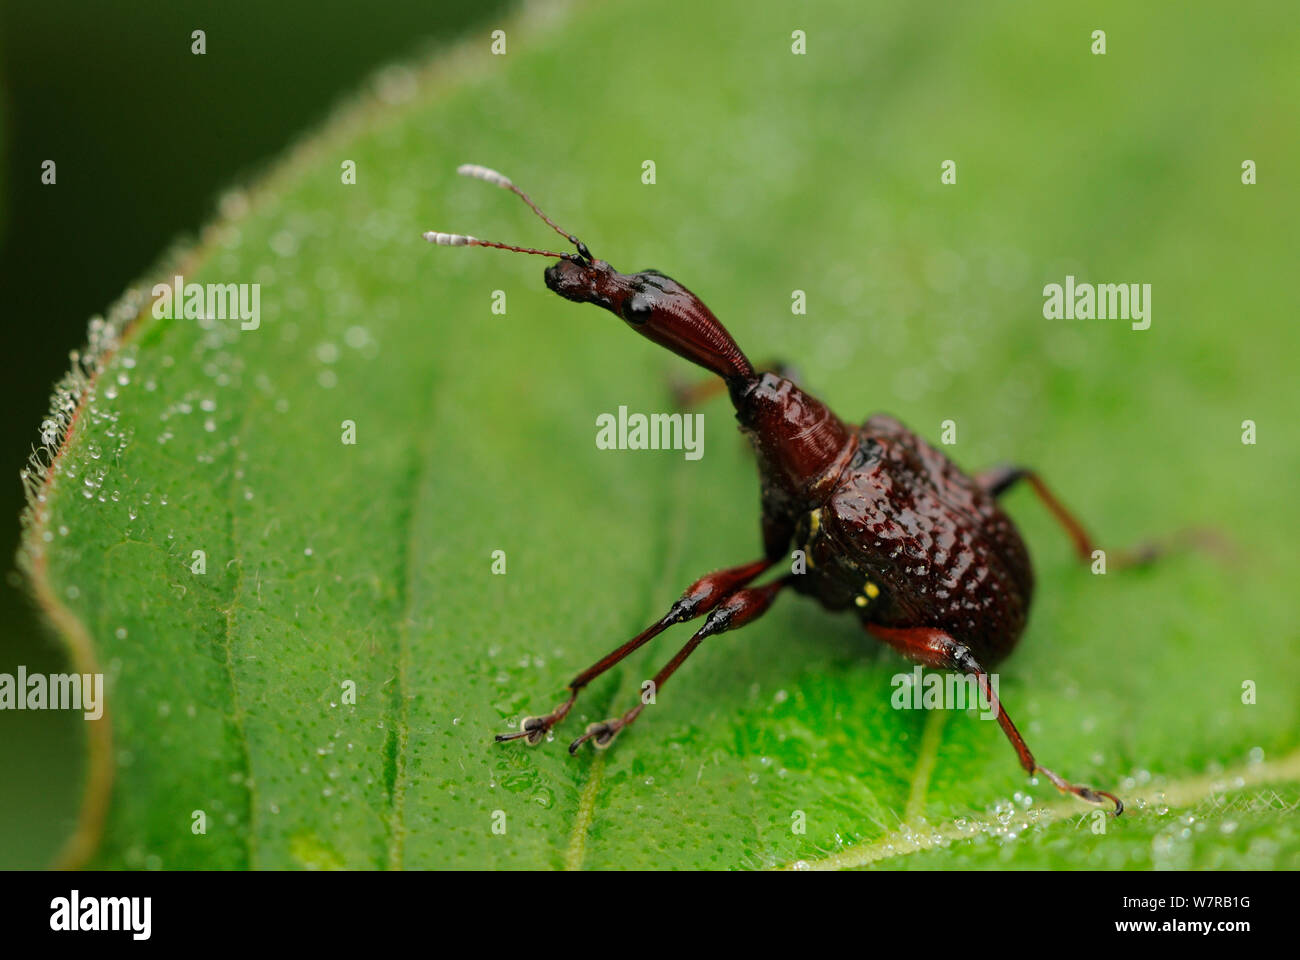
x,y
333,567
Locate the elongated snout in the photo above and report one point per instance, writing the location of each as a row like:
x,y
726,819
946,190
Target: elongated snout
x,y
571,280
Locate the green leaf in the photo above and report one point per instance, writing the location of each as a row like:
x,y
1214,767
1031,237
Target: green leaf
x,y
330,565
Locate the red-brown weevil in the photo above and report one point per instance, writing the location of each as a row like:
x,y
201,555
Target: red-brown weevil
x,y
890,528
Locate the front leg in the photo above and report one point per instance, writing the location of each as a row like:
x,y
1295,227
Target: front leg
x,y
932,647
700,597
690,395
736,610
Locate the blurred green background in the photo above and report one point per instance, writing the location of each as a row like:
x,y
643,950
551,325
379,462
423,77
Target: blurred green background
x,y
1118,168
145,136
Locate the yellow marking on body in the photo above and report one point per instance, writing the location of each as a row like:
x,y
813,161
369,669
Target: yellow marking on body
x,y
869,593
814,524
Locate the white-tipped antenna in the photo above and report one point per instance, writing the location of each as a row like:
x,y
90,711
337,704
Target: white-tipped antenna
x,y
497,179
485,173
449,239
461,240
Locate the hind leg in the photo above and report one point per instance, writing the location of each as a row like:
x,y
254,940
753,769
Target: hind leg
x,y
932,647
1000,479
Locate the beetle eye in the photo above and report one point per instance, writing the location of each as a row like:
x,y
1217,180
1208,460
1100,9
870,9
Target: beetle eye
x,y
637,309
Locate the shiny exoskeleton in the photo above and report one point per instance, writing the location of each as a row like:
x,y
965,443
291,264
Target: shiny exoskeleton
x,y
912,541
877,521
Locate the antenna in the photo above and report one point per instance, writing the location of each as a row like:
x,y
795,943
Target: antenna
x,y
461,240
501,180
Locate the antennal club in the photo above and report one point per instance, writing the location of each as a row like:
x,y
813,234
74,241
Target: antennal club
x,y
501,180
462,240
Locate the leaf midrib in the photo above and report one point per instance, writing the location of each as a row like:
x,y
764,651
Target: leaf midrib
x,y
1176,794
674,512
421,499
